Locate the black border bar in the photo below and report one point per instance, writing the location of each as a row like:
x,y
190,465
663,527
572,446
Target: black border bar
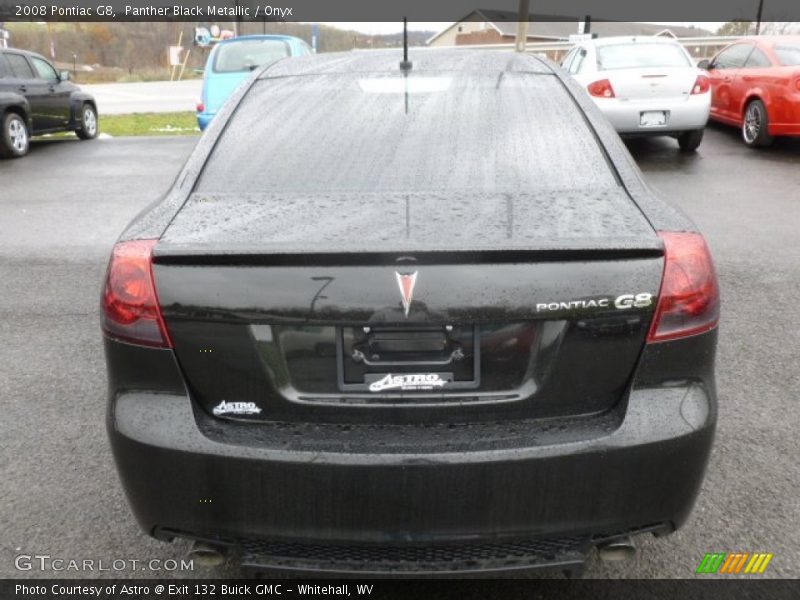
x,y
385,10
441,589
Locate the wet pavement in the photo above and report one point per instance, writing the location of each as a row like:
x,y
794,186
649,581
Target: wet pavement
x,y
62,207
145,96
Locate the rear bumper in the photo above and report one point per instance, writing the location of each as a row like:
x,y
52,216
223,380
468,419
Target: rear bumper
x,y
684,114
183,479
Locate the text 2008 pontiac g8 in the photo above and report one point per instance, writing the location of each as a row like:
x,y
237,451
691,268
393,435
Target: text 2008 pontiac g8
x,y
411,321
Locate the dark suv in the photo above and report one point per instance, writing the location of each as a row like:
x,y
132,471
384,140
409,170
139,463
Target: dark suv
x,y
37,99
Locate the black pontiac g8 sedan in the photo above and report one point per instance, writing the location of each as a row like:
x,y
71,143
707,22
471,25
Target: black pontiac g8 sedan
x,y
410,321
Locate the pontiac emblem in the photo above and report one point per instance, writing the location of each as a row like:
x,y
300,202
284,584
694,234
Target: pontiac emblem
x,y
406,281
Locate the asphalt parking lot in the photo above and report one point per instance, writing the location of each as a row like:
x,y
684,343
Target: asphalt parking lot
x,y
145,96
62,207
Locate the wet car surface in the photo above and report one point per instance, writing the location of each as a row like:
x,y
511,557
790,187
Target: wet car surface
x,y
582,316
54,251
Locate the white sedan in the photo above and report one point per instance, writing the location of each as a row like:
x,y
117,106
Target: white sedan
x,y
645,86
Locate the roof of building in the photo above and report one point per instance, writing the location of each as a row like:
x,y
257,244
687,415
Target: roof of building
x,y
544,26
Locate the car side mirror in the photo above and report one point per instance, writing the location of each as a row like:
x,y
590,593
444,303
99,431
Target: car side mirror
x,y
704,64
63,76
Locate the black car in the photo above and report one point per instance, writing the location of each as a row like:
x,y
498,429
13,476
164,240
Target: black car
x,y
410,321
37,99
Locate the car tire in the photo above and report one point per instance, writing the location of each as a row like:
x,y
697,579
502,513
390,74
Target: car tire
x,y
89,127
14,137
755,125
690,140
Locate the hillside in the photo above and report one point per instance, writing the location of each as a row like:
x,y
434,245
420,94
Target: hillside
x,y
136,51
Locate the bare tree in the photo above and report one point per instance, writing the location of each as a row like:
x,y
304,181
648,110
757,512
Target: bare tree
x,y
780,28
737,28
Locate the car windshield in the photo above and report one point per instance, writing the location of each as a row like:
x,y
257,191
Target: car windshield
x,y
638,55
245,55
471,132
788,56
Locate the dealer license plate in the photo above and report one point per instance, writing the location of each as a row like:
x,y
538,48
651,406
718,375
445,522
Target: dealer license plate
x,y
653,118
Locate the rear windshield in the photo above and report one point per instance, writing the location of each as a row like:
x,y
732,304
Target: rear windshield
x,y
640,55
788,56
427,132
246,55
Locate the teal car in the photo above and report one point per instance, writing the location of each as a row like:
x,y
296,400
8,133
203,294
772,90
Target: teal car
x,y
231,62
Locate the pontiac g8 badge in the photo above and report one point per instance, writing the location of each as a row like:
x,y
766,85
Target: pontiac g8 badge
x,y
406,282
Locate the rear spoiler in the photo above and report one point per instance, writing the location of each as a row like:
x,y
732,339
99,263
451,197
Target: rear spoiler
x,y
171,255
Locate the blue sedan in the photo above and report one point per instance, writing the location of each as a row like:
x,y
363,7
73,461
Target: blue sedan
x,y
232,61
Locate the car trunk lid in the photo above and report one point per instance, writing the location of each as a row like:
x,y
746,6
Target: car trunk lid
x,y
652,85
408,307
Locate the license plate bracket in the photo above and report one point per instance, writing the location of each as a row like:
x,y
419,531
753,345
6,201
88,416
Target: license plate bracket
x,y
424,359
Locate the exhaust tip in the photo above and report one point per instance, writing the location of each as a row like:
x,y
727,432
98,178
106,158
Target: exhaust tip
x,y
617,550
206,555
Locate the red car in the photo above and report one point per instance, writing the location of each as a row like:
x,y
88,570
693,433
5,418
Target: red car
x,y
755,85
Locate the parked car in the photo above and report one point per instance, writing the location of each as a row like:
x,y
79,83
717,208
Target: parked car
x,y
755,85
36,99
232,61
645,86
421,341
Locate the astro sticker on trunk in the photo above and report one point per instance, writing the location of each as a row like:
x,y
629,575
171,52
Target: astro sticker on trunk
x,y
236,408
409,382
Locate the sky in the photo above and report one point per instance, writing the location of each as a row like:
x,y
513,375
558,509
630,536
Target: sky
x,y
390,27
379,28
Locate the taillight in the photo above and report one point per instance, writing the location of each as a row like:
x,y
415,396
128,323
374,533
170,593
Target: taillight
x,y
701,85
130,306
689,300
201,107
601,89
797,84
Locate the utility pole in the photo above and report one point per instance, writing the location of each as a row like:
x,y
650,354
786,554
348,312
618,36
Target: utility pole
x,y
758,16
522,26
50,39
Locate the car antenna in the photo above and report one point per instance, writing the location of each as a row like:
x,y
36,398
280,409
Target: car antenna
x,y
405,64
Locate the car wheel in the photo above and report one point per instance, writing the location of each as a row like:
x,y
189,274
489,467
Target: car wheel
x,y
88,130
755,126
690,140
14,140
